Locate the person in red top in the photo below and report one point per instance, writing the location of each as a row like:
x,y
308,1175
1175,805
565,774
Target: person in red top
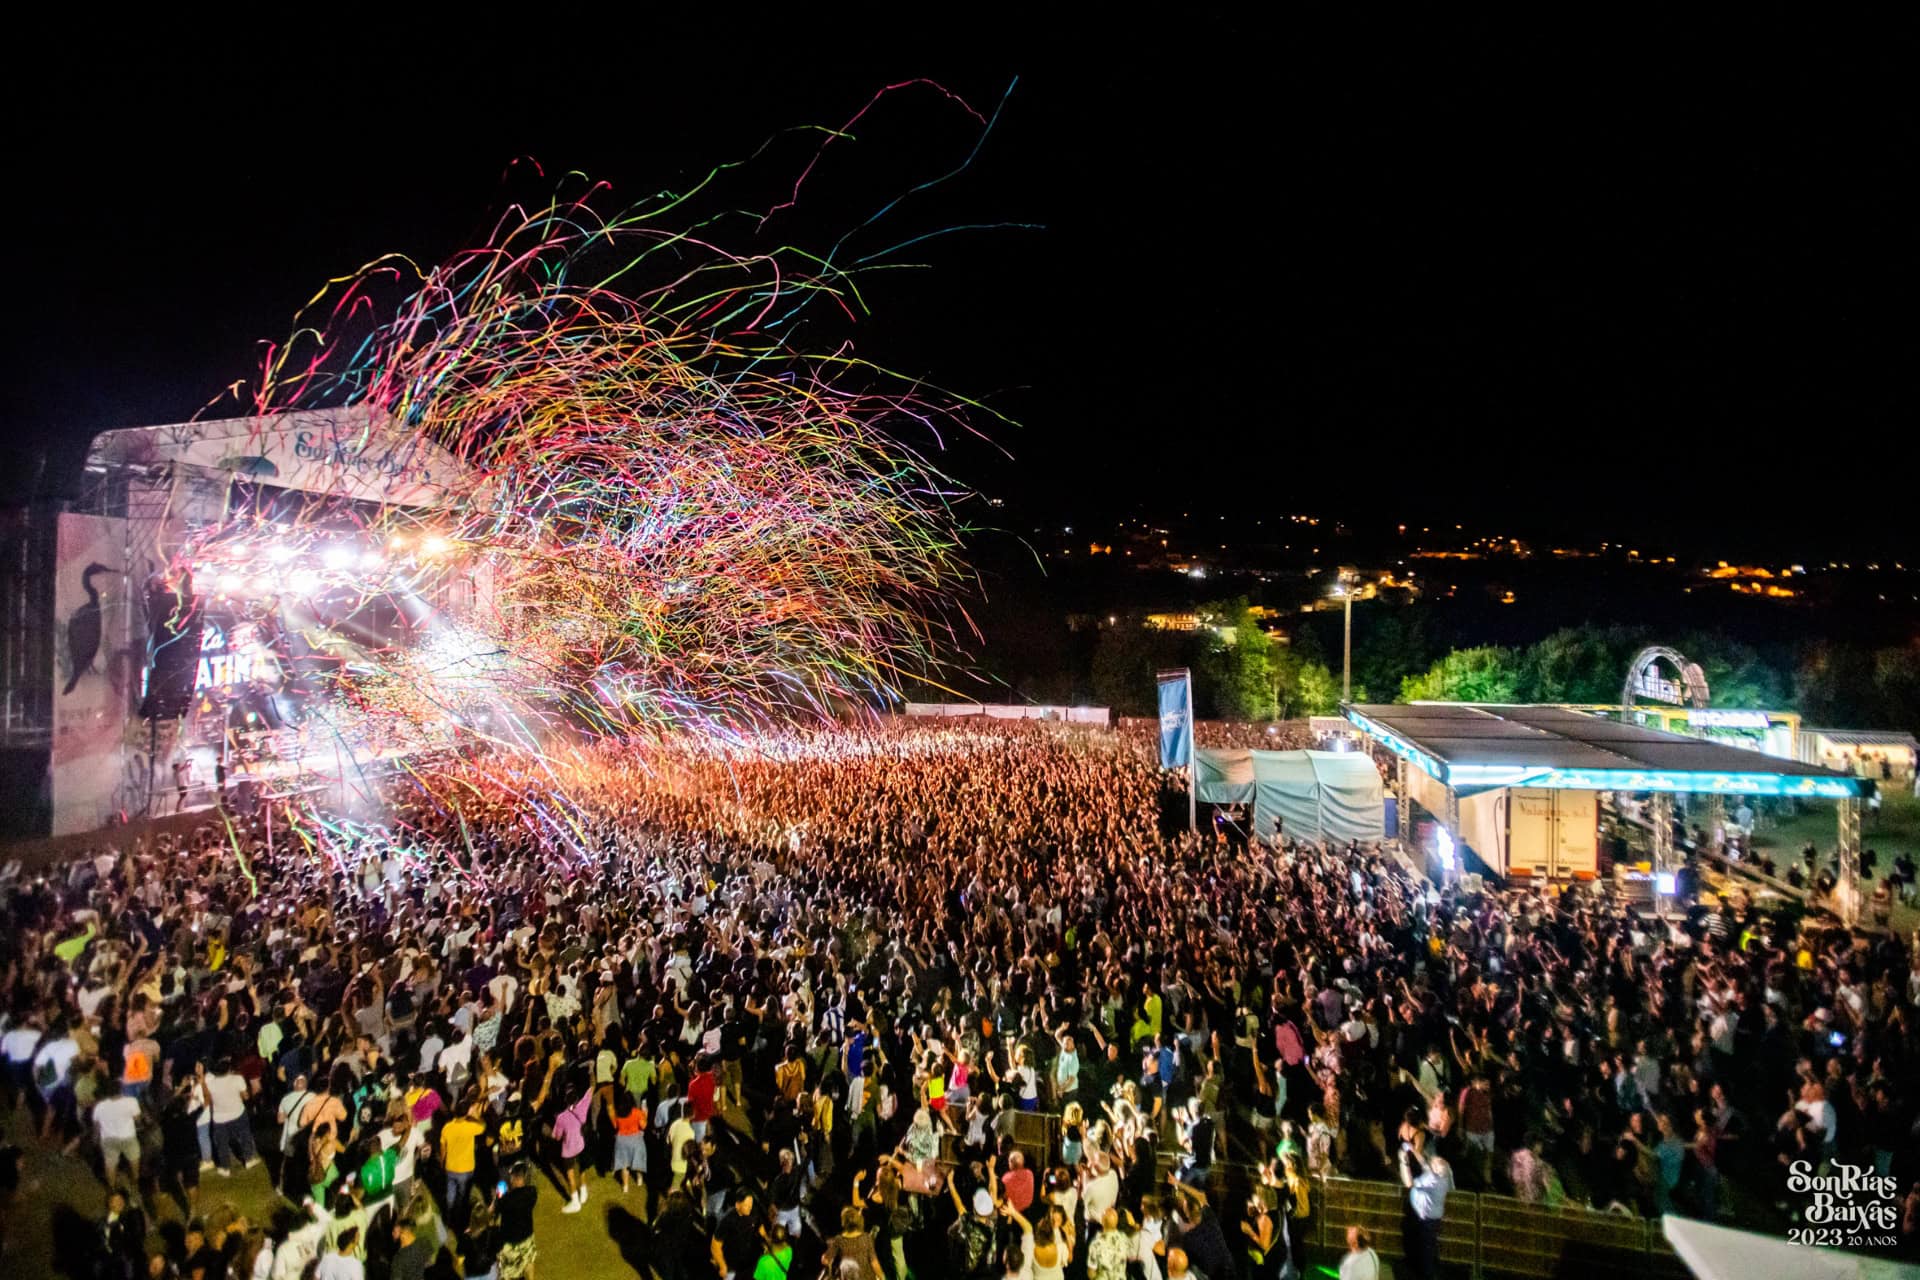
x,y
1017,1182
700,1098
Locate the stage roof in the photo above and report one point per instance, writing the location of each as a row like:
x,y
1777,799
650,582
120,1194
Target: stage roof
x,y
1475,746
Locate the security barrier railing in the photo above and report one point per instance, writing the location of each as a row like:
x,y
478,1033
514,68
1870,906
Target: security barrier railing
x,y
1481,1234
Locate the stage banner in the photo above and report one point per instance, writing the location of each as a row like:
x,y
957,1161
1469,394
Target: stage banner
x,y
98,765
1176,720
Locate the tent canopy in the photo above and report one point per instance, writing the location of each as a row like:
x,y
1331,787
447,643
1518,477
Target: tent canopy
x,y
1478,745
1318,795
1713,1252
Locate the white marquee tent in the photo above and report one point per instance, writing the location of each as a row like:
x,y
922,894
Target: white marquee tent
x,y
1713,1252
1318,795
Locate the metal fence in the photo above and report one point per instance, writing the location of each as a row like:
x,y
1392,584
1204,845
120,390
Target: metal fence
x,y
1488,1234
1482,1234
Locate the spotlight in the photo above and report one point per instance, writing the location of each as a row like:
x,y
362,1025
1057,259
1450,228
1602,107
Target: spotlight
x,y
435,545
371,559
304,582
230,583
280,553
337,557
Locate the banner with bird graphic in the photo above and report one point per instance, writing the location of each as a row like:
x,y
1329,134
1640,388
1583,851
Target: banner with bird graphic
x,y
97,671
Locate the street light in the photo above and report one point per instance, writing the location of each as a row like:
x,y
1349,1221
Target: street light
x,y
1344,593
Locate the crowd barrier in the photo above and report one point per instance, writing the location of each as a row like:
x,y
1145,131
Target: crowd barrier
x,y
1482,1234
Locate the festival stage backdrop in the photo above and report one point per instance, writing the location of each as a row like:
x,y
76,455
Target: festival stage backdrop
x,y
98,658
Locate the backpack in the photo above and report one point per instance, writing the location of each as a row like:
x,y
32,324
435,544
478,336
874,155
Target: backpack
x,y
46,1074
290,1130
971,1244
376,1175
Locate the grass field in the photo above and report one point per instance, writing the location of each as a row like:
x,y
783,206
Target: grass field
x,y
1894,830
48,1230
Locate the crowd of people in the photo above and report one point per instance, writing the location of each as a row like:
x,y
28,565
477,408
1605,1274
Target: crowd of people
x,y
896,1001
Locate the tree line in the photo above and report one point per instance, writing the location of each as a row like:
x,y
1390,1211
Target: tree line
x,y
1242,673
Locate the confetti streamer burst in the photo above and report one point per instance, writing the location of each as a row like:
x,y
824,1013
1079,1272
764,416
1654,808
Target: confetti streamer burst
x,y
684,517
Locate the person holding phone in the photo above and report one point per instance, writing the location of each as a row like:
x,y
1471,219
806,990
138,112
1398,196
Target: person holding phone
x,y
477,1246
515,1214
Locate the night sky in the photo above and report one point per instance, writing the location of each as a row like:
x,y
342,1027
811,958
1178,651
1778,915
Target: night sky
x,y
1649,283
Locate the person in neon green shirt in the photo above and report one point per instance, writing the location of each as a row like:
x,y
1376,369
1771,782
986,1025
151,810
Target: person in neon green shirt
x,y
776,1260
1146,1023
72,947
637,1076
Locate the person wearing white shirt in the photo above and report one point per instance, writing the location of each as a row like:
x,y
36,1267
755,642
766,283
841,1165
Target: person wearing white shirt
x,y
1153,1234
115,1119
1361,1262
503,987
341,1264
456,1061
462,1019
225,1093
291,1257
407,1136
430,1051
52,1068
59,1051
1819,1112
18,1046
856,1094
679,1138
1099,1188
1722,1032
1428,1181
90,999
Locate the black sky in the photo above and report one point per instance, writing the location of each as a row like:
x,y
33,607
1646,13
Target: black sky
x,y
1645,281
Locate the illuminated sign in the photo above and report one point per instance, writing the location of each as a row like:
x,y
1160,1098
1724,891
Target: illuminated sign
x,y
1803,786
1645,679
225,660
1650,684
223,671
351,453
1728,719
1823,786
